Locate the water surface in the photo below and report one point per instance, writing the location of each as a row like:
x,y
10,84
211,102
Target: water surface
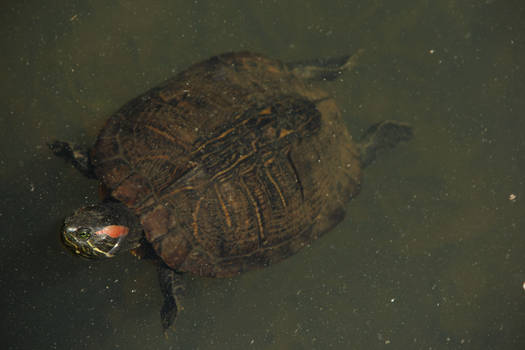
x,y
431,253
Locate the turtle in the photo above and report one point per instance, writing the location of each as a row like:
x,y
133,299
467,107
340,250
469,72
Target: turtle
x,y
234,164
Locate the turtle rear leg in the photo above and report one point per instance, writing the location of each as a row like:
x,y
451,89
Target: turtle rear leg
x,y
172,288
75,155
324,68
383,135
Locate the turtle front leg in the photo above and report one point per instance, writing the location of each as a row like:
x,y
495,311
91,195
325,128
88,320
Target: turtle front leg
x,y
324,68
75,155
172,288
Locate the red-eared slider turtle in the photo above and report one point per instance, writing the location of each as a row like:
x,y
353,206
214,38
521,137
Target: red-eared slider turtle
x,y
234,164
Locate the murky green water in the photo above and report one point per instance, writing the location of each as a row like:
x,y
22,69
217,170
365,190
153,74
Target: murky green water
x,y
431,255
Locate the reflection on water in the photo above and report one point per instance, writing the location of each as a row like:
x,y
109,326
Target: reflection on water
x,y
430,255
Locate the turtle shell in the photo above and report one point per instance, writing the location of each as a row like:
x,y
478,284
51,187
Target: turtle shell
x,y
233,164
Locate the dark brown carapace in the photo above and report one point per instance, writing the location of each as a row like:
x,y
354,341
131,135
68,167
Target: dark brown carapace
x,y
233,164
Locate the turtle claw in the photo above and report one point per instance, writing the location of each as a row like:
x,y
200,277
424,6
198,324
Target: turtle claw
x,y
60,149
168,313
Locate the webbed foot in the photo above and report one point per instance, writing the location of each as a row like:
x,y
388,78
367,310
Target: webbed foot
x,y
324,68
73,154
172,288
383,135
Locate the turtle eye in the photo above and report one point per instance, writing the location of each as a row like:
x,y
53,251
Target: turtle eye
x,y
83,233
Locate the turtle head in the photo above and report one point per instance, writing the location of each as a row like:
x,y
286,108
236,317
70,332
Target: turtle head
x,y
101,230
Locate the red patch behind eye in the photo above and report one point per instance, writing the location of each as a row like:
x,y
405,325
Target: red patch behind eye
x,y
113,231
